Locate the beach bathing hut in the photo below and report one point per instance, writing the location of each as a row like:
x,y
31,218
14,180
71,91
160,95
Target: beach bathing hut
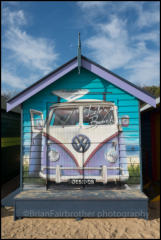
x,y
80,144
10,141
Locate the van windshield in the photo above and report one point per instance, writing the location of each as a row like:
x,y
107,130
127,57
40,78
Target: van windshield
x,y
65,116
98,115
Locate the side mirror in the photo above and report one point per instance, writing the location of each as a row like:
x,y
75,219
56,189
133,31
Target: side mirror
x,y
125,121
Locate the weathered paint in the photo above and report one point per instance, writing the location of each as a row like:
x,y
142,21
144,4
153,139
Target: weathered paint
x,y
126,103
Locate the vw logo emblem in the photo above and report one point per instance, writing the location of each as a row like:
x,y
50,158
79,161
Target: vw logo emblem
x,y
81,143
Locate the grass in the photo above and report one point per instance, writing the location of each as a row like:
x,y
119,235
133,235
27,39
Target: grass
x,y
134,174
28,179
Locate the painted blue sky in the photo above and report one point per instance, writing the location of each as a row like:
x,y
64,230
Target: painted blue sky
x,y
38,37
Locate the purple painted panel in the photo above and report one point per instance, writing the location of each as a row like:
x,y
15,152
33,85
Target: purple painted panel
x,y
64,159
35,155
100,159
118,82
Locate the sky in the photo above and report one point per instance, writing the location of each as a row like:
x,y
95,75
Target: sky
x,y
37,37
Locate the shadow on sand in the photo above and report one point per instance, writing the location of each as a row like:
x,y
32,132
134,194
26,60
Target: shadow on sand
x,y
154,210
7,211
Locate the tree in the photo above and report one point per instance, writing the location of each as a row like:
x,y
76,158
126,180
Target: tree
x,y
9,94
154,90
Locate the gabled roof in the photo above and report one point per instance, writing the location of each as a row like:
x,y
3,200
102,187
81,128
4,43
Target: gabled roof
x,y
92,67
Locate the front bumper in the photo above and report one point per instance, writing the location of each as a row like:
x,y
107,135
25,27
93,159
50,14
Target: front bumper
x,y
111,178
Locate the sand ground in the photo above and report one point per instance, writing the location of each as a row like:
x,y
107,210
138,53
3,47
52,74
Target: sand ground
x,y
61,228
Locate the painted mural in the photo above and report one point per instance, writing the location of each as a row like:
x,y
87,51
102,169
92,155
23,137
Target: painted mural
x,y
79,134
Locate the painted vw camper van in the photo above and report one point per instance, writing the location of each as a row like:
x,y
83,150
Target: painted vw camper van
x,y
79,140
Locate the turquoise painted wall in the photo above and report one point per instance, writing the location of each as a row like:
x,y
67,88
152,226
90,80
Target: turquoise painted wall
x,y
127,105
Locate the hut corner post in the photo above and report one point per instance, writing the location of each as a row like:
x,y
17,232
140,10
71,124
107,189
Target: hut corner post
x,y
140,152
21,151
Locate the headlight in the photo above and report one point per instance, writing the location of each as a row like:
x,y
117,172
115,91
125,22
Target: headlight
x,y
111,155
53,155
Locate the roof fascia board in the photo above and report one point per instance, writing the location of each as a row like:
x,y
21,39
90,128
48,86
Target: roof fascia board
x,y
41,85
117,76
147,106
89,65
118,82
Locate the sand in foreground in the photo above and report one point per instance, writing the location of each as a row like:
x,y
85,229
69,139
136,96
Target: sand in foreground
x,y
105,228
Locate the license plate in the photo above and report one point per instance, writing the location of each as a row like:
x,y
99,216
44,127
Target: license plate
x,y
82,181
